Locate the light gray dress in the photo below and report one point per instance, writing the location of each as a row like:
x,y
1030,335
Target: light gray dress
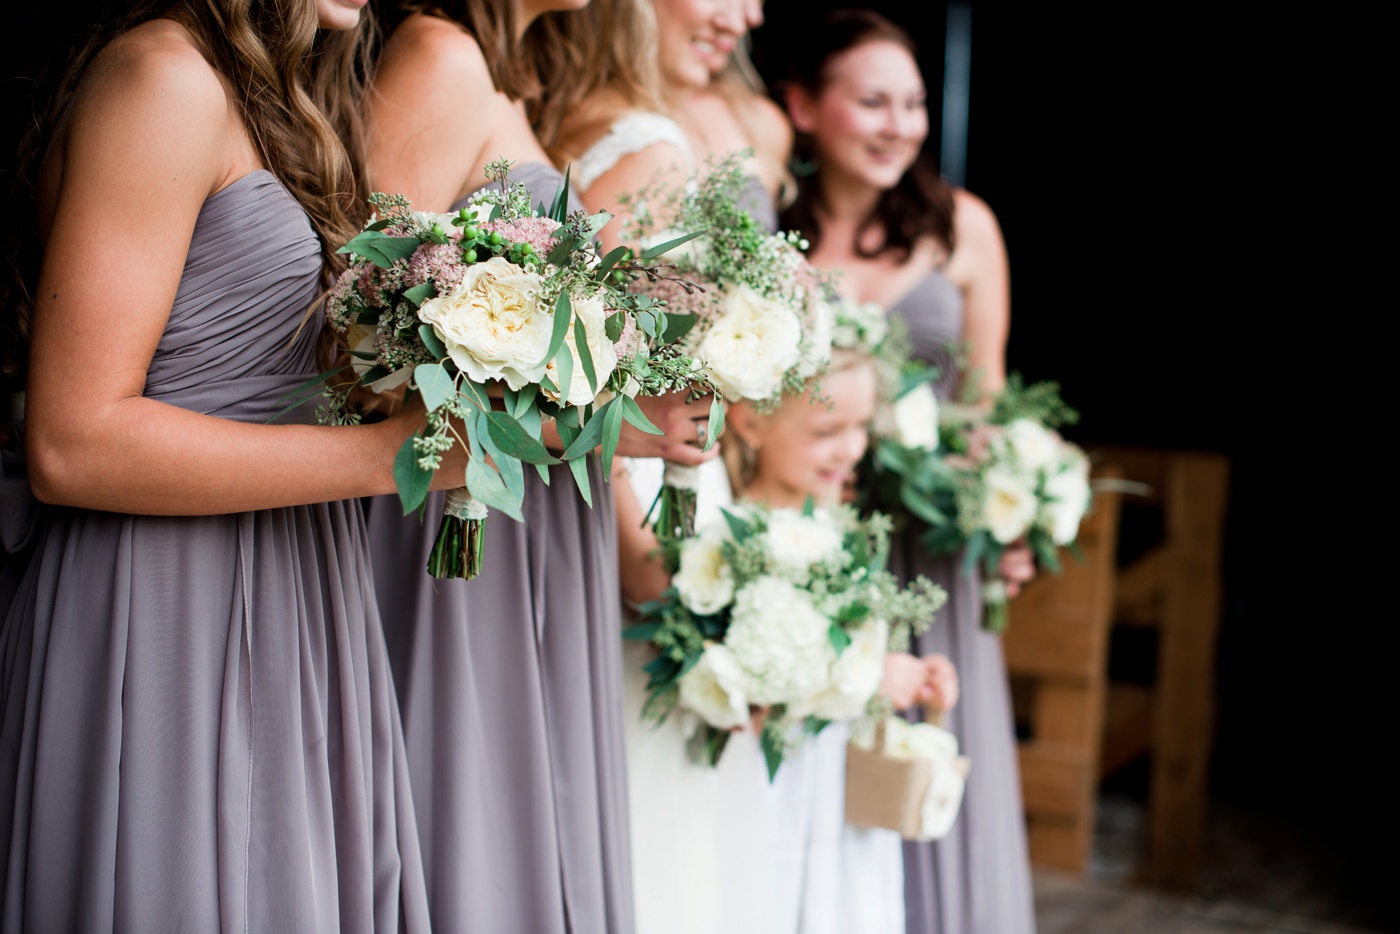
x,y
511,691
977,879
198,730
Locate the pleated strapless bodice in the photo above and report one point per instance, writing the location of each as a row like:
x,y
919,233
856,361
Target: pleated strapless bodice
x,y
933,310
239,339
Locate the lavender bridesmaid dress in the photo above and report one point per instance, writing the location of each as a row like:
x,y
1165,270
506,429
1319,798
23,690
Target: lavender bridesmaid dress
x,y
511,692
977,879
198,730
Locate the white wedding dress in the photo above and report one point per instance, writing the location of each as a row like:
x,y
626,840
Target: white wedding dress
x,y
697,831
720,850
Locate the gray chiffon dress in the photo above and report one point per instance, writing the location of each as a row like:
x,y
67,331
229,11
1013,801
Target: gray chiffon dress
x,y
198,729
510,686
977,879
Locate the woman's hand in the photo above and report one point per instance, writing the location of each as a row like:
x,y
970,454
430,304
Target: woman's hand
x,y
1016,567
904,680
684,423
940,687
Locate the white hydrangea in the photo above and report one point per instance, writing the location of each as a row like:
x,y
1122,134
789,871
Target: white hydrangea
x,y
796,542
714,689
781,641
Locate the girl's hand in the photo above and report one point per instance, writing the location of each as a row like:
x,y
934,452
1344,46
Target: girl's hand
x,y
940,688
1016,567
904,679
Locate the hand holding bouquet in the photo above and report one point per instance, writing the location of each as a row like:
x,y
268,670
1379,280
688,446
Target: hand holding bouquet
x,y
501,318
784,609
758,323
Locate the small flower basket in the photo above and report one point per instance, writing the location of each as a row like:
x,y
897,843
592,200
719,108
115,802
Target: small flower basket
x,y
910,780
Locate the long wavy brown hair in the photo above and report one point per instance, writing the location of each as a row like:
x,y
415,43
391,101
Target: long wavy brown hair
x,y
920,204
593,64
493,23
297,89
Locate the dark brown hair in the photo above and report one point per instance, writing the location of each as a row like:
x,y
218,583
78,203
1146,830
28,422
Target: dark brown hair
x,y
493,24
296,88
920,204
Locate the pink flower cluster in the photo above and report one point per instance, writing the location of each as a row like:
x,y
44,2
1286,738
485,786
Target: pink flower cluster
x,y
536,231
439,263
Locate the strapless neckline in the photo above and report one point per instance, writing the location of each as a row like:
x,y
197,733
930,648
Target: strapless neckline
x,y
917,287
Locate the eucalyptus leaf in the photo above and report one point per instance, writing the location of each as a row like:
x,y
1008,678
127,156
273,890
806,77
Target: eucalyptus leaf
x,y
437,387
612,427
515,441
716,427
487,486
772,752
636,417
431,341
838,637
677,327
738,527
511,471
563,314
642,632
613,326
411,479
420,293
585,356
605,265
669,245
592,433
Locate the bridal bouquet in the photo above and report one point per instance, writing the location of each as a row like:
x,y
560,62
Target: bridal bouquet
x,y
500,317
781,609
981,479
756,311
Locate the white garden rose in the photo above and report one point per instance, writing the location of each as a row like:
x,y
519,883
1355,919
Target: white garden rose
x,y
916,418
714,689
493,323
797,542
1068,495
855,675
591,312
752,344
905,740
704,579
1009,503
1034,446
780,640
942,801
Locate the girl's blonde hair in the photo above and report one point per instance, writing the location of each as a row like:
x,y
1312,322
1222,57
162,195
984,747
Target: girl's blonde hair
x,y
741,458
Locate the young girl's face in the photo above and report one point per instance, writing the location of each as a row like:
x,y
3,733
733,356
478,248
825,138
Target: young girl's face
x,y
809,449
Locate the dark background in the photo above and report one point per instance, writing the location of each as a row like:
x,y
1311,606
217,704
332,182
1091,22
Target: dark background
x,y
1111,143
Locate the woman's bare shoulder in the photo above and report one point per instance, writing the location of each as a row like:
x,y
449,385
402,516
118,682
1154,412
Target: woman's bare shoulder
x,y
441,47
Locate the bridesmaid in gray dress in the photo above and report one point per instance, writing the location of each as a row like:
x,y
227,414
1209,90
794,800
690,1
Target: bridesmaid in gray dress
x,y
197,717
510,684
933,256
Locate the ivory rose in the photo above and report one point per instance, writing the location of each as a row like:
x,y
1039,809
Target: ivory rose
x,y
752,344
493,324
916,418
704,579
714,689
1009,504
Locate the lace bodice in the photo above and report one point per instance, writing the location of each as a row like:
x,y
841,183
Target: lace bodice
x,y
632,132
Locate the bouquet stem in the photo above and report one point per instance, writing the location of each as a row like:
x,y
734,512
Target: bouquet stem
x,y
457,551
675,503
995,608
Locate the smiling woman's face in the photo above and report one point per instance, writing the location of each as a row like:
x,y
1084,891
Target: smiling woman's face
x,y
870,119
696,37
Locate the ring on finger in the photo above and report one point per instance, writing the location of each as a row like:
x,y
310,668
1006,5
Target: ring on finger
x,y
702,431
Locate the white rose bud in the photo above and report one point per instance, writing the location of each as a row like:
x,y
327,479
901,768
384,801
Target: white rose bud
x,y
856,674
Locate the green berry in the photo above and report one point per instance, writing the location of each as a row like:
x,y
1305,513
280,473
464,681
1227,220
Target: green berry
x,y
469,256
527,249
471,230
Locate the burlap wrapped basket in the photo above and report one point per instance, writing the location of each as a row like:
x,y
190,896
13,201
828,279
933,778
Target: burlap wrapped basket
x,y
882,791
